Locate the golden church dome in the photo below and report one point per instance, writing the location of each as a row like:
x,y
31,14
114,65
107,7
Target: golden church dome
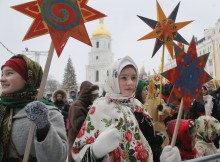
x,y
101,31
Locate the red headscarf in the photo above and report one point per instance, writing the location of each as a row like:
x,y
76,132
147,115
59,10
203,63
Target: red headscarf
x,y
19,65
184,138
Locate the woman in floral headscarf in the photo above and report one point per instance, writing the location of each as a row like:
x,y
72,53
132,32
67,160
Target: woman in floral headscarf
x,y
186,138
110,131
207,128
20,79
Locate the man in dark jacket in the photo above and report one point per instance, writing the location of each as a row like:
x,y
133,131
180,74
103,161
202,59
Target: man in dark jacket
x,y
78,111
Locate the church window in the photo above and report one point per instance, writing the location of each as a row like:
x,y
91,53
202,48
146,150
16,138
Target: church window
x,y
97,76
108,45
97,44
97,57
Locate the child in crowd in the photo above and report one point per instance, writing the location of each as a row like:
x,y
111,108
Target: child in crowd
x,y
110,131
186,138
20,80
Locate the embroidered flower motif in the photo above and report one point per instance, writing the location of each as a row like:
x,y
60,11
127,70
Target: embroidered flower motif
x,y
137,147
128,135
124,155
117,155
82,131
142,155
96,134
75,150
90,140
92,110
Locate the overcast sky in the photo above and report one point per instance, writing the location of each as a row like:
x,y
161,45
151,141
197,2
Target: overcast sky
x,y
121,21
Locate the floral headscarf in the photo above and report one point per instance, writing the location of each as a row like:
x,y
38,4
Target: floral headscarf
x,y
207,126
184,137
111,83
35,71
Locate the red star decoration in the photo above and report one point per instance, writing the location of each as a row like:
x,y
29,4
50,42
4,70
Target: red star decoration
x,y
188,76
61,19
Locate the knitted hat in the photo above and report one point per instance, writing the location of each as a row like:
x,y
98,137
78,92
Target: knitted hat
x,y
141,85
19,65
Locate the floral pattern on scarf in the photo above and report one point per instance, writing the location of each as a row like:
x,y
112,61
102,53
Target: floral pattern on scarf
x,y
207,126
184,138
114,109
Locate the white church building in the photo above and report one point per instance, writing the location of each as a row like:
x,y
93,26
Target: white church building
x,y
100,56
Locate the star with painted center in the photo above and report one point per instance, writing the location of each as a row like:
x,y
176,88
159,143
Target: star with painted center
x,y
188,76
165,30
61,19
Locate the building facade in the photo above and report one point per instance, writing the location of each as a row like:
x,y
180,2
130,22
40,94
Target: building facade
x,y
100,56
210,43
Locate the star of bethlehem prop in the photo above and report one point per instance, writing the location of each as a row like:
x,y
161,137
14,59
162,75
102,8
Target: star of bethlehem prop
x,y
151,90
165,30
188,76
60,18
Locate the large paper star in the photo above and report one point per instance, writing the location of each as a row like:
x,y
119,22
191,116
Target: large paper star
x,y
188,76
61,19
151,90
165,29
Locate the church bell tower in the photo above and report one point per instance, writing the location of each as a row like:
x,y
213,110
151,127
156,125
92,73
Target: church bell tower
x,y
100,56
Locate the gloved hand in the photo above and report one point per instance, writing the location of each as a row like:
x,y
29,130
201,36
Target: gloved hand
x,y
160,107
37,112
169,154
106,142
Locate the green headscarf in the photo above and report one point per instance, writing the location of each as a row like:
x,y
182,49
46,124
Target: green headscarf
x,y
141,85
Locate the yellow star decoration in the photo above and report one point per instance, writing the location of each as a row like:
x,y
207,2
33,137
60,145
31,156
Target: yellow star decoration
x,y
165,30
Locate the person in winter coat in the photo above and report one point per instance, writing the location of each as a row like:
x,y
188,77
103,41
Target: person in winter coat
x,y
207,128
146,124
110,131
60,98
78,111
20,80
196,110
186,138
60,101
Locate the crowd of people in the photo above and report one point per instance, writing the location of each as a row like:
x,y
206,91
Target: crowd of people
x,y
119,125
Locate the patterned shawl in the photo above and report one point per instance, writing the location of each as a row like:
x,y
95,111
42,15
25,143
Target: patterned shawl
x,y
111,83
184,138
114,109
207,126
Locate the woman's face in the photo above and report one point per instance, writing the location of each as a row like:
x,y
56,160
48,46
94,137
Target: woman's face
x,y
144,94
204,92
127,81
59,97
11,81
